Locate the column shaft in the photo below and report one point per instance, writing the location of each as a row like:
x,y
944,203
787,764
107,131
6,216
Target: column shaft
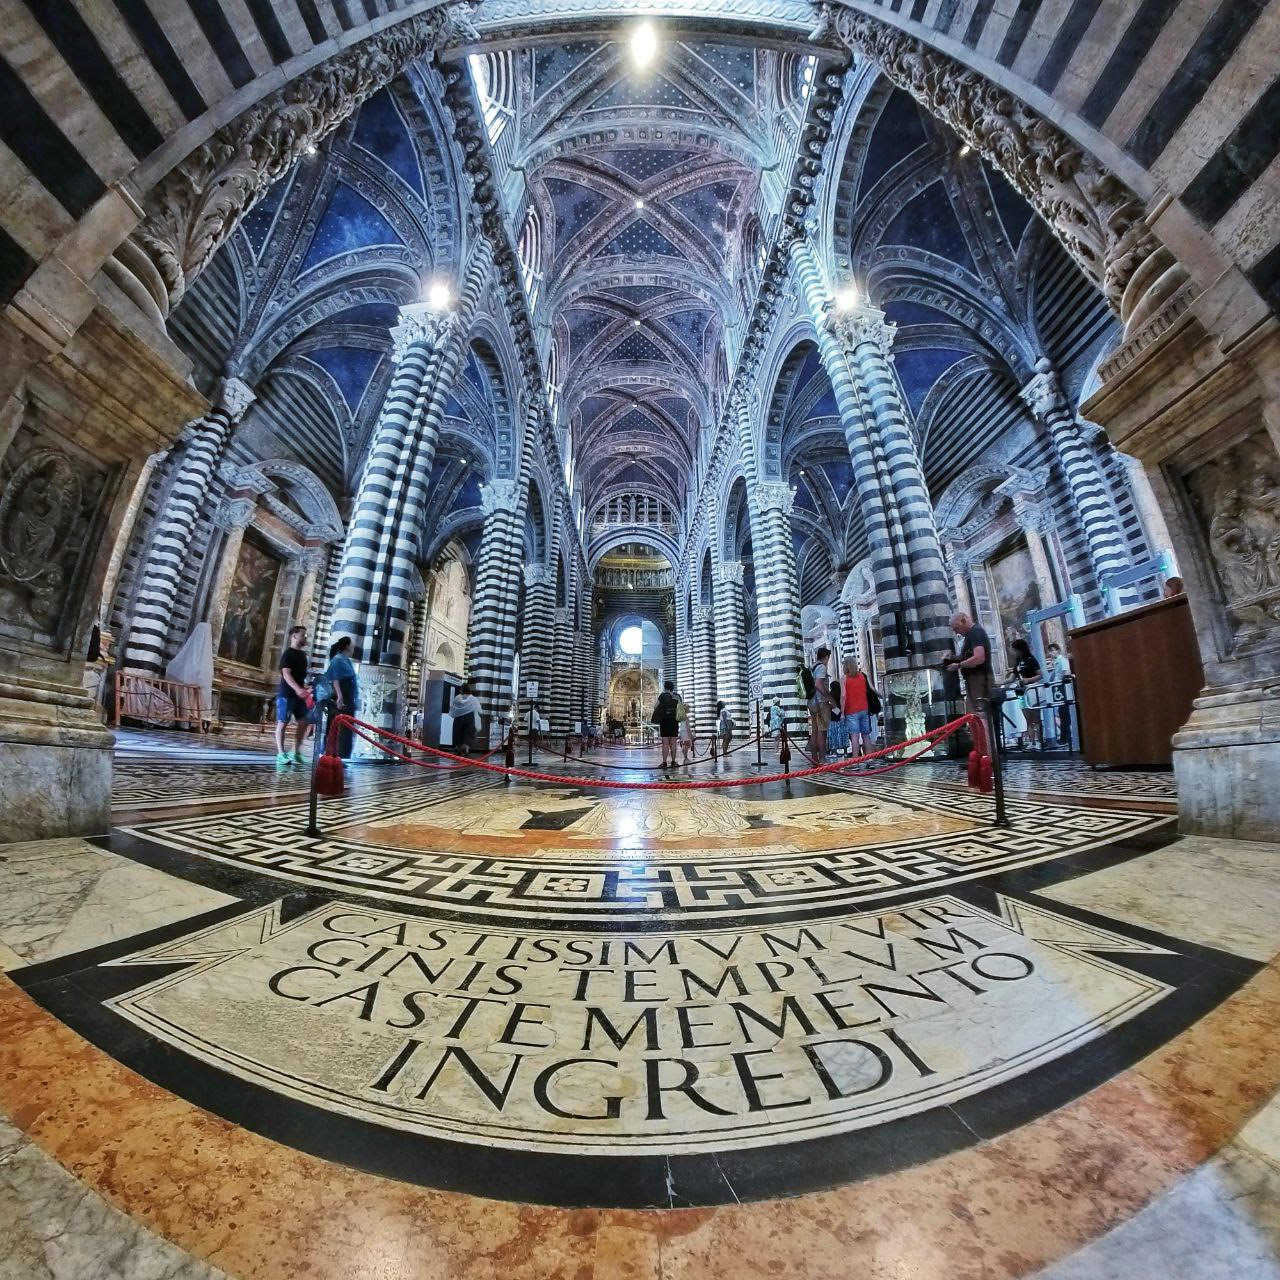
x,y
175,524
731,641
777,595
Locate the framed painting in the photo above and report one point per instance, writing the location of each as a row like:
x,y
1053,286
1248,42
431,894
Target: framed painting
x,y
249,605
1014,591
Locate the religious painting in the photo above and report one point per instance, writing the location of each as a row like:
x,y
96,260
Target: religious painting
x,y
1014,592
248,619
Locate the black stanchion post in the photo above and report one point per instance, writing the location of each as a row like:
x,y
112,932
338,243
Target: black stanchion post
x,y
784,751
317,748
509,757
759,738
997,767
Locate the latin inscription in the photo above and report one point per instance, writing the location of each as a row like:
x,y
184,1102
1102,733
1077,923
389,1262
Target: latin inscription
x,y
559,1041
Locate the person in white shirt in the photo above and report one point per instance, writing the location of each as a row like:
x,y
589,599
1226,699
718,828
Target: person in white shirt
x,y
1057,671
465,710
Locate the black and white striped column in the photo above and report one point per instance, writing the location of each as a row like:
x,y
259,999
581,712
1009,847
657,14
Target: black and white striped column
x,y
704,669
684,647
731,642
538,635
1045,398
777,594
869,338
205,443
379,562
562,670
491,638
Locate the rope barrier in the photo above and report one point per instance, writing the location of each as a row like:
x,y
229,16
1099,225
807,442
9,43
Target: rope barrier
x,y
654,768
367,732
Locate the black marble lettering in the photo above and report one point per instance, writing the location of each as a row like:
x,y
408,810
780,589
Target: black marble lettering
x,y
497,1094
631,981
276,979
630,949
584,979
542,1086
653,1080
766,968
790,1009
366,996
985,968
751,1082
921,992
730,974
647,1017
520,1018
773,941
684,1015
954,945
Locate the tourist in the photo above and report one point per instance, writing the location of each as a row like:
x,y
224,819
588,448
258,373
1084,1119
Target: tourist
x,y
777,717
837,734
1058,671
724,727
1173,588
465,710
974,663
291,697
666,717
688,744
341,677
1026,667
819,705
855,703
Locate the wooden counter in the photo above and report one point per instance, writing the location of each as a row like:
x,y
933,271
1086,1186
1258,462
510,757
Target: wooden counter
x,y
1136,676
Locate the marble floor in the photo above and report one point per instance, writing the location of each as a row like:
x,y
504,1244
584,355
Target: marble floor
x,y
837,1027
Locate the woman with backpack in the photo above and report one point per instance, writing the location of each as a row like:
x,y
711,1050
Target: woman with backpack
x,y
724,727
665,716
859,702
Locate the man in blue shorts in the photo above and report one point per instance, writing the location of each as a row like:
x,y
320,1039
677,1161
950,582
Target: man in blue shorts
x,y
291,696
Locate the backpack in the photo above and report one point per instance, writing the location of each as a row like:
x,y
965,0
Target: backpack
x,y
807,683
836,701
874,705
322,687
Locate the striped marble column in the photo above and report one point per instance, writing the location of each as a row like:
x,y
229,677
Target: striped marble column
x,y
777,594
491,638
379,562
562,670
580,693
684,649
539,628
731,640
868,338
703,653
844,623
1045,398
889,571
206,441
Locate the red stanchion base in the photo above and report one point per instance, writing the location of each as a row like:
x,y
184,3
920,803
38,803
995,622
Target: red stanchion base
x,y
329,777
985,776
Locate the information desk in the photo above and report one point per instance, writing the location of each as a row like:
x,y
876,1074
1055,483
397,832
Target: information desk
x,y
1136,676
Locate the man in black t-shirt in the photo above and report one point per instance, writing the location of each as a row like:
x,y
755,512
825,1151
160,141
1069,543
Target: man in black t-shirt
x,y
291,696
973,662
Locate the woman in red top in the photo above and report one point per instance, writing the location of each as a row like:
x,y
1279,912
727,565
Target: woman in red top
x,y
857,715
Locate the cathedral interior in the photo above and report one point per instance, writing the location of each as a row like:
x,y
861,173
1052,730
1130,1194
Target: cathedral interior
x,y
640,640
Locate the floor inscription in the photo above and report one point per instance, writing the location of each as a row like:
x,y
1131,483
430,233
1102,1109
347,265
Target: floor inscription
x,y
557,1041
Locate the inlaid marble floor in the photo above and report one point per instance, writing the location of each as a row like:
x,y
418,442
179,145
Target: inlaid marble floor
x,y
475,1028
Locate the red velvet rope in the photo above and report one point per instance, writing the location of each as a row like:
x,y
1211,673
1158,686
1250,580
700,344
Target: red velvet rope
x,y
366,731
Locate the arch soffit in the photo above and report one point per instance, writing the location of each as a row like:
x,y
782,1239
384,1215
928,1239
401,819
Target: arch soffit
x,y
978,481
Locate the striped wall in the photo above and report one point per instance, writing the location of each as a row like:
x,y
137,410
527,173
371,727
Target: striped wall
x,y
1188,90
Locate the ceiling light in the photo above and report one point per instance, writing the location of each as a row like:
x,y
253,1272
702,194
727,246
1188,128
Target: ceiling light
x,y
964,150
644,45
310,148
639,203
635,324
847,297
438,295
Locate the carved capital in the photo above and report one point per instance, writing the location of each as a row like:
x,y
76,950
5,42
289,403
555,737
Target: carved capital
x,y
313,560
235,513
1032,517
234,398
1043,394
701,615
729,572
196,206
1097,218
765,496
566,616
419,326
957,561
537,575
499,495
862,326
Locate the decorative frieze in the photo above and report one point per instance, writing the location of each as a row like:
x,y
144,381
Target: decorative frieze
x,y
499,495
765,496
419,325
1097,218
196,206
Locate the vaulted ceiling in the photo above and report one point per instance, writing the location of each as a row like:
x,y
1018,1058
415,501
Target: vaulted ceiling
x,y
640,213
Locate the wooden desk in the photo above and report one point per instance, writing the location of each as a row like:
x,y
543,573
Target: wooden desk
x,y
1136,676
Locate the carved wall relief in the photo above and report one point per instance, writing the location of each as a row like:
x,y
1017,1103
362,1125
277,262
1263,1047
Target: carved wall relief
x,y
53,507
1237,500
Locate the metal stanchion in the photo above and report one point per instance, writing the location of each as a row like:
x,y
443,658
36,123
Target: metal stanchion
x,y
784,751
531,724
317,749
759,738
509,757
997,767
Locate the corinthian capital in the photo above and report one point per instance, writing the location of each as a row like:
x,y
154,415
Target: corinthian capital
x,y
234,398
235,513
729,572
862,326
499,495
1043,394
772,497
419,325
197,205
537,575
1095,216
